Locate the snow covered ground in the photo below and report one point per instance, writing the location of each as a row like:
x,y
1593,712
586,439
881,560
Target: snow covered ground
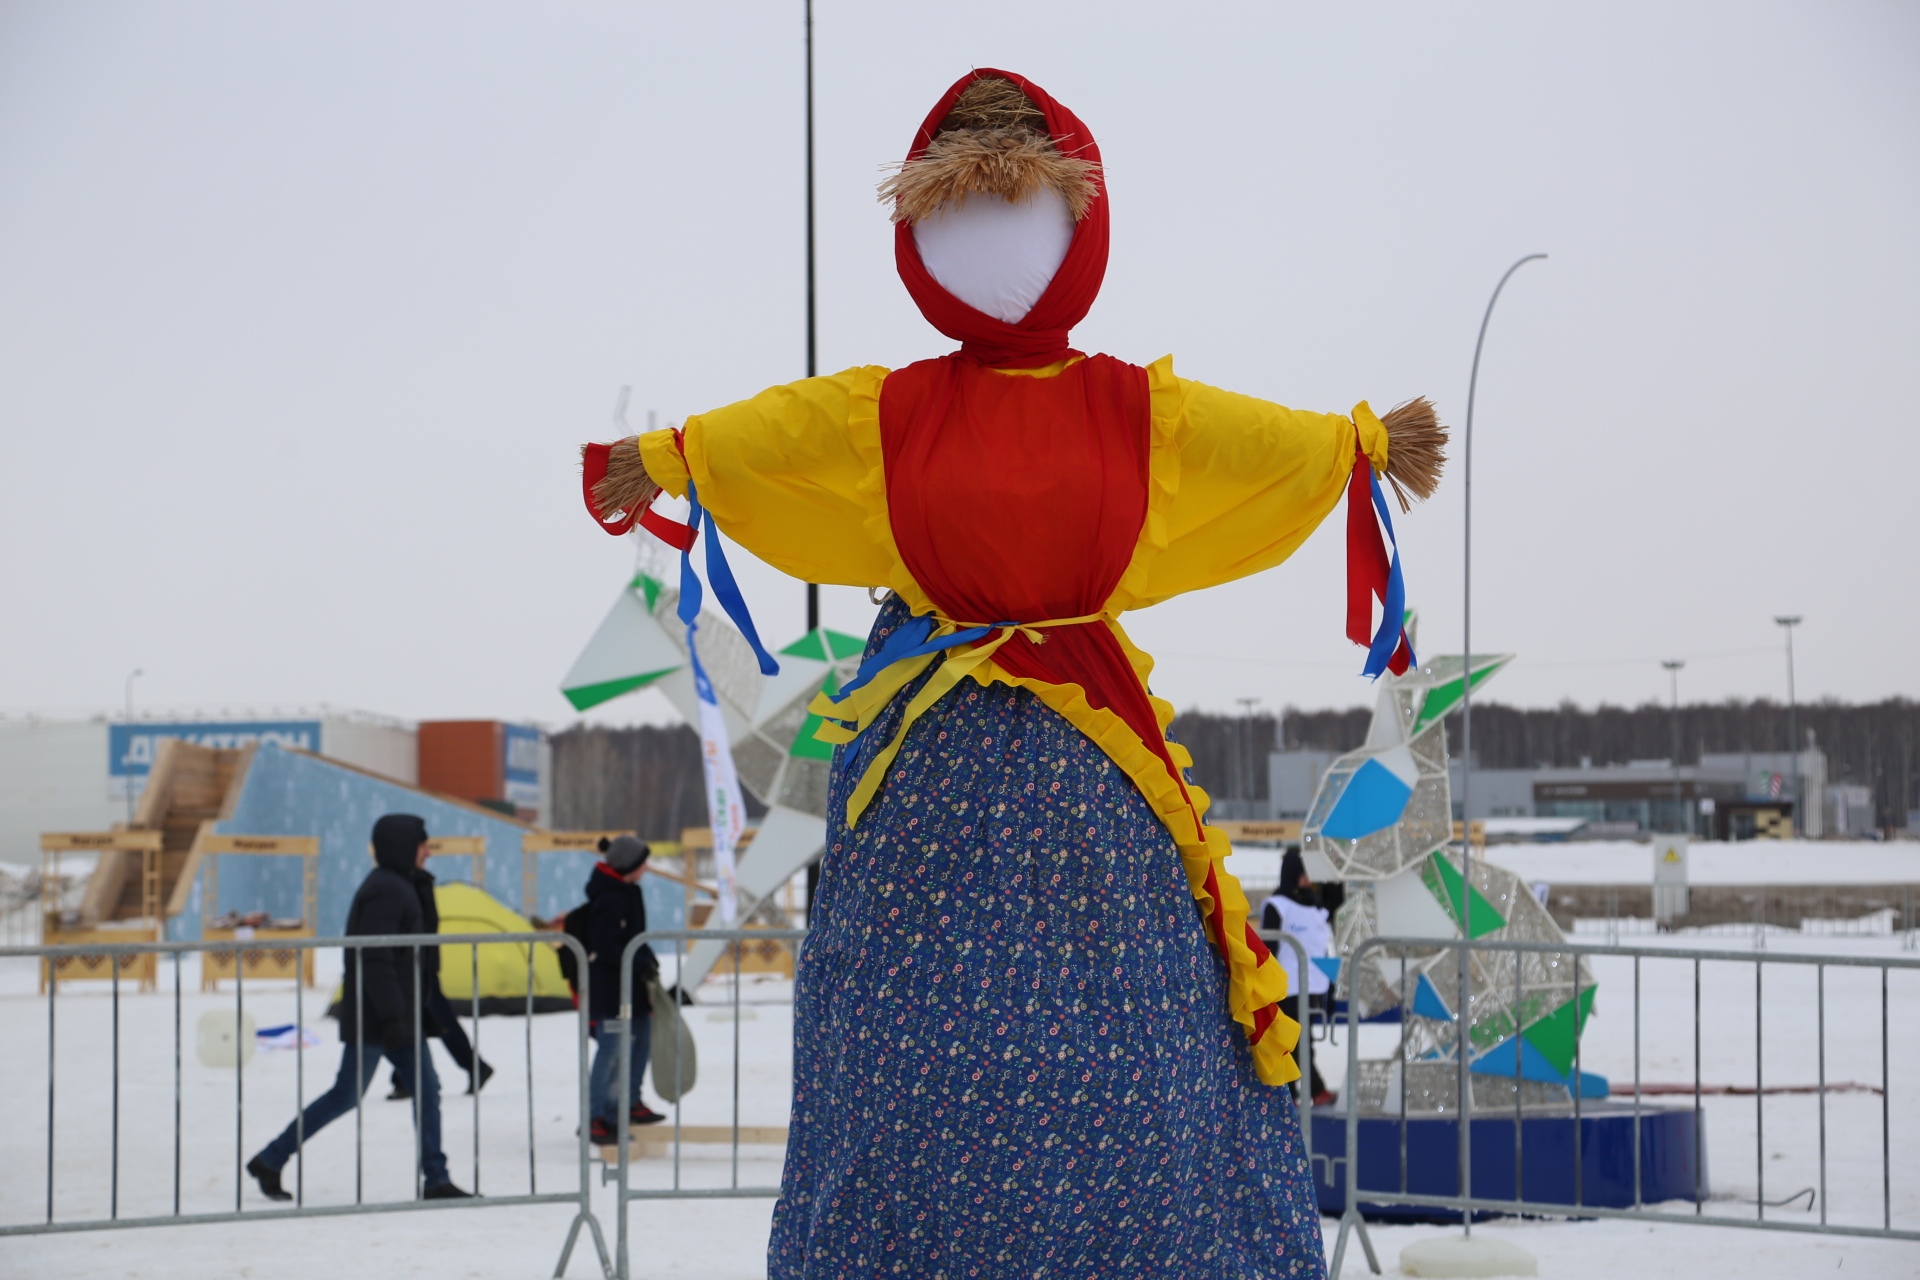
x,y
728,1238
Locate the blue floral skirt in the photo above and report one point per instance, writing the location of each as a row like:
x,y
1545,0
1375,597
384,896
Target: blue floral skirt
x,y
1012,1051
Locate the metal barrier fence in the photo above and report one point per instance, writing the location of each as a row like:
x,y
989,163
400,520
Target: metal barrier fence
x,y
1487,958
1618,911
620,1172
1309,1018
120,959
1498,957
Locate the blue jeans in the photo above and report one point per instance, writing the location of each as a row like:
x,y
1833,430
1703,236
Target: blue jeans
x,y
604,1078
340,1099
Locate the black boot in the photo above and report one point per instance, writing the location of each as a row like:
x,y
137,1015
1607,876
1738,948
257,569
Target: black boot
x,y
447,1191
475,1083
269,1180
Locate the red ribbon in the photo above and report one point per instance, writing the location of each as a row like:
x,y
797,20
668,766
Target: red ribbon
x,y
593,470
1367,563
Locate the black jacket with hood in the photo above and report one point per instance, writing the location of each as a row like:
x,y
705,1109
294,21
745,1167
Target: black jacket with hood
x,y
387,902
616,914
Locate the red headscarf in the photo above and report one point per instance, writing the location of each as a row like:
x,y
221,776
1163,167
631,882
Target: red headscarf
x,y
1040,337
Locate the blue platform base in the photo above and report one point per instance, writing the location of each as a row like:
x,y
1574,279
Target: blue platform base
x,y
1546,1161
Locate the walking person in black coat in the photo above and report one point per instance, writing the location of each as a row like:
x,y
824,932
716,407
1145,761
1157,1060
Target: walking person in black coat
x,y
616,912
377,1013
440,1011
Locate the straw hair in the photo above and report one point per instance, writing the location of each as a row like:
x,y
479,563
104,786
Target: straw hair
x,y
626,488
1416,449
993,142
992,102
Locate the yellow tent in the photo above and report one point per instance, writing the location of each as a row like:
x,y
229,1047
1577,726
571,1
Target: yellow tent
x,y
503,967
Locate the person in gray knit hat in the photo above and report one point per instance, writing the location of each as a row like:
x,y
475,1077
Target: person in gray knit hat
x,y
624,853
616,913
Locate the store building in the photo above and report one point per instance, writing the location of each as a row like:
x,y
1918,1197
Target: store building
x,y
87,774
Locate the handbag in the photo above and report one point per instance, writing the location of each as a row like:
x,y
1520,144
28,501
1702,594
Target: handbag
x,y
672,1058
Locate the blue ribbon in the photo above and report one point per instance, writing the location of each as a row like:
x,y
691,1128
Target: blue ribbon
x,y
909,640
913,638
725,590
1393,610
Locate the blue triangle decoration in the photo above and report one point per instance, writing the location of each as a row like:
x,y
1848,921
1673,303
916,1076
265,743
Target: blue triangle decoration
x,y
1329,965
1498,1061
1375,798
1427,1002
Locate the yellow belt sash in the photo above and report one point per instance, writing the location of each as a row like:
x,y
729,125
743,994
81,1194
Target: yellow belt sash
x,y
850,716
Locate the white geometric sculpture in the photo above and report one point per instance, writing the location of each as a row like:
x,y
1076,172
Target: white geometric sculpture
x,y
1382,822
1386,806
642,644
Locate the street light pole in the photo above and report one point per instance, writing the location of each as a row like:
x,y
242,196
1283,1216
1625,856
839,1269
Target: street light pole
x,y
1673,666
1793,729
1462,1017
813,363
133,675
1247,784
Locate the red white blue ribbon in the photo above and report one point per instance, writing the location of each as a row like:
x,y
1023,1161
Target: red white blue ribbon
x,y
1374,574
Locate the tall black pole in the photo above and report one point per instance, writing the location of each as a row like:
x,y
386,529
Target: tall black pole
x,y
813,367
1799,823
1685,808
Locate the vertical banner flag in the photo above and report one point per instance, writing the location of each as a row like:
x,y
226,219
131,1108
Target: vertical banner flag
x,y
726,813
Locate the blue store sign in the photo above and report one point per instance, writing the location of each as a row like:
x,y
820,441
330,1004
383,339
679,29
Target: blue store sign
x,y
132,748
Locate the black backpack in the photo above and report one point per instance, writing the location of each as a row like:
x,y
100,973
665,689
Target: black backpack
x,y
575,926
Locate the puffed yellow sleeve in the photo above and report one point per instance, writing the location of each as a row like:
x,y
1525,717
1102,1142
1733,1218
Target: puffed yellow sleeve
x,y
782,475
1254,479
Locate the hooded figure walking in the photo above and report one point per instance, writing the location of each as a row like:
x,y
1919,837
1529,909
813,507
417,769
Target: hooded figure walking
x,y
1033,1032
378,1017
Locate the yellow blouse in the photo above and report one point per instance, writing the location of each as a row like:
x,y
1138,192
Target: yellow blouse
x,y
796,476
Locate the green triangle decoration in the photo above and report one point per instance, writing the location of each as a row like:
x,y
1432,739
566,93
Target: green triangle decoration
x,y
1555,1035
805,745
1443,698
592,695
1443,880
649,587
825,646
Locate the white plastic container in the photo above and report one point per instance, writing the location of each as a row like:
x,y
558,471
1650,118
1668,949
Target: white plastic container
x,y
222,1044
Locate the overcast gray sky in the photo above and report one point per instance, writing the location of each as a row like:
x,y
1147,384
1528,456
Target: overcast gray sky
x,y
304,309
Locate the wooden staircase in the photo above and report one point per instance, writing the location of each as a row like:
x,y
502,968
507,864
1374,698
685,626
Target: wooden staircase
x,y
189,785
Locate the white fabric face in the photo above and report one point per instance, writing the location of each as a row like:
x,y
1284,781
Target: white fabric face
x,y
996,256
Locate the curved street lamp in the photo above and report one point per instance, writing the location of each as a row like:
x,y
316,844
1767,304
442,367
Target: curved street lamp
x,y
1462,1019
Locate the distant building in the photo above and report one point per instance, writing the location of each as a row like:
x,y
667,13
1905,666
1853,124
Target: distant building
x,y
1292,778
1726,796
1496,793
503,766
86,774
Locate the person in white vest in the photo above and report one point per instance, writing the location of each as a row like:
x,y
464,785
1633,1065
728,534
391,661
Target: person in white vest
x,y
1296,909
